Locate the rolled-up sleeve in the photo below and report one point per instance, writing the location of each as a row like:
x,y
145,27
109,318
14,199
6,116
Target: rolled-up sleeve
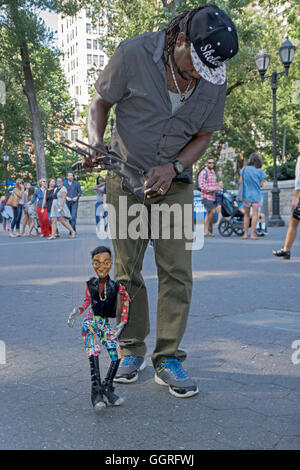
x,y
112,83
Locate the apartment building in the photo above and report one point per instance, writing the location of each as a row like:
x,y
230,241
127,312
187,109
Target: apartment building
x,y
82,57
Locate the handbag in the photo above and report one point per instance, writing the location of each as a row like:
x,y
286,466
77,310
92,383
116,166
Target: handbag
x,y
241,190
13,200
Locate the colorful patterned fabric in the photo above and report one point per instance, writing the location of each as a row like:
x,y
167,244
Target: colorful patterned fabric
x,y
94,327
97,327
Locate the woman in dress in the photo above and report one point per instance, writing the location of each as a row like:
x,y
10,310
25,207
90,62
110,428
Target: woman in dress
x,y
32,214
25,220
59,210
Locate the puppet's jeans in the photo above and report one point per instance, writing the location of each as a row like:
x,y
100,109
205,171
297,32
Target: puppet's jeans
x,y
95,329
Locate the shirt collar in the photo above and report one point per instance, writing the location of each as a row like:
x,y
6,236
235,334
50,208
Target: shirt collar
x,y
156,45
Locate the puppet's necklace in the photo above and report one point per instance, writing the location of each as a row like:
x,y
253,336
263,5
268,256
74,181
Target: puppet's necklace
x,y
182,95
100,293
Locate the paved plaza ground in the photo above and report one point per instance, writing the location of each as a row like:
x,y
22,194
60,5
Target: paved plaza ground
x,y
241,342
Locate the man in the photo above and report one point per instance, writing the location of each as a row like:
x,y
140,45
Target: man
x,y
73,195
207,181
291,235
169,89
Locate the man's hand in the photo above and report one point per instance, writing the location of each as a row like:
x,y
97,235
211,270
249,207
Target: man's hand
x,y
91,160
159,180
72,317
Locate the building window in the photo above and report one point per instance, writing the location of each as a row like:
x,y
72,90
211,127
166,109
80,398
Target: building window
x,y
100,45
95,44
74,135
95,60
89,44
88,12
88,28
101,60
89,59
95,29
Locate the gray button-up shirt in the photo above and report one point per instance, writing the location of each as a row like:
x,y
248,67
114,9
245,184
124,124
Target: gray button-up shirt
x,y
147,133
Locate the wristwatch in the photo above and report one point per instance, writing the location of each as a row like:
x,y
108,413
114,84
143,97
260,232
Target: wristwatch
x,y
178,166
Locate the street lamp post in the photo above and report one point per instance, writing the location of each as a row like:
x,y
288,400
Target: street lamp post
x,y
6,160
287,52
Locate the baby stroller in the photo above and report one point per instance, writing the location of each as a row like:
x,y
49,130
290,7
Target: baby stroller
x,y
233,217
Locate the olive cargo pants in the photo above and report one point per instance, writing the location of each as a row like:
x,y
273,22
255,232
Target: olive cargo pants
x,y
174,268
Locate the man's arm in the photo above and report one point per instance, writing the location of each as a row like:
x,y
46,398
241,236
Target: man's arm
x,y
97,116
161,176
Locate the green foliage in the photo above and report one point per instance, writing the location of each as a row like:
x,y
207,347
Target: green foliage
x,y
286,171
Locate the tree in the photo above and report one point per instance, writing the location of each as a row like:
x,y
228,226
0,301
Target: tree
x,y
25,34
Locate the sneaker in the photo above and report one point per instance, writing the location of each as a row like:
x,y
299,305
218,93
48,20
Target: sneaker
x,y
171,373
129,368
283,254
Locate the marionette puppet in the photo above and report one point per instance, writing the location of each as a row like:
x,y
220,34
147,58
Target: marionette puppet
x,y
101,296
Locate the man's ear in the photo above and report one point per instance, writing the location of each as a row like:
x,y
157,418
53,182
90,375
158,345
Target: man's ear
x,y
180,39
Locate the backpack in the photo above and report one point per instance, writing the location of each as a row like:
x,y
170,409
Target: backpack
x,y
206,176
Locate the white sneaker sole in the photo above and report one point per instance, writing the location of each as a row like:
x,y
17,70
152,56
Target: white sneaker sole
x,y
124,380
191,393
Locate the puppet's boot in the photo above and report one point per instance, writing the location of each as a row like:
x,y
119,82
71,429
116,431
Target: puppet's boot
x,y
108,388
96,392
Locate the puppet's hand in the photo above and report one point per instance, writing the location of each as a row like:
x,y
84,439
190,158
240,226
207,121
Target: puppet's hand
x,y
72,317
119,329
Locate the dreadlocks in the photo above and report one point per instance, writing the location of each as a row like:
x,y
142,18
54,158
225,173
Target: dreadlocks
x,y
180,24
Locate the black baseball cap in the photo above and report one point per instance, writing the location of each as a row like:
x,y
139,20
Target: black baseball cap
x,y
214,40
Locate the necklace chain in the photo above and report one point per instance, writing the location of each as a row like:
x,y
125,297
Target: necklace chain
x,y
182,95
104,290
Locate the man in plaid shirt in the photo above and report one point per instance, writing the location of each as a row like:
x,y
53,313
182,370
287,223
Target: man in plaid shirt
x,y
207,182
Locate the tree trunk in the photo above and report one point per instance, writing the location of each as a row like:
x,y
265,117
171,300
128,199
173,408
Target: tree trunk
x,y
28,88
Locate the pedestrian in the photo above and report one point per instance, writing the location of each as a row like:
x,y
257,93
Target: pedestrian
x,y
40,197
25,220
32,214
18,193
101,294
100,206
169,95
291,234
49,199
252,179
219,200
59,210
73,195
6,212
207,181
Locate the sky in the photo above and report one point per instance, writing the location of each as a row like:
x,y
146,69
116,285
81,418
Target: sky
x,y
50,19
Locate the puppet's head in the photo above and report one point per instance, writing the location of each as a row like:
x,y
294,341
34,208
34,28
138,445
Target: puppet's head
x,y
101,261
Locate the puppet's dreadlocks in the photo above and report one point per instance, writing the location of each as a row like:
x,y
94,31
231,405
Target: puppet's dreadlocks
x,y
181,24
